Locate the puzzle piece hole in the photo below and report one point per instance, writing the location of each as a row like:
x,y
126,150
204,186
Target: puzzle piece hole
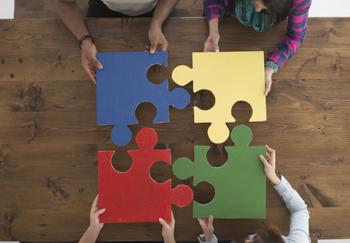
x,y
145,113
217,155
157,73
204,192
204,99
242,112
121,161
160,172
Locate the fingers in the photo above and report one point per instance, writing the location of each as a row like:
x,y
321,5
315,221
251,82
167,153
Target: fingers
x,y
267,88
153,48
94,205
263,160
269,149
272,152
202,223
210,220
100,211
98,64
90,73
163,223
172,222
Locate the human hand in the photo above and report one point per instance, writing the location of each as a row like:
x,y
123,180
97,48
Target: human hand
x,y
156,39
168,229
270,165
268,79
95,223
89,61
212,43
207,227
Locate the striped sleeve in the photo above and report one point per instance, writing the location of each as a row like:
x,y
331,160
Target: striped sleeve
x,y
296,30
215,8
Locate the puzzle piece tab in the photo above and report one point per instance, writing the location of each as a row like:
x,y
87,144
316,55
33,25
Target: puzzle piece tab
x,y
122,85
239,184
231,77
133,196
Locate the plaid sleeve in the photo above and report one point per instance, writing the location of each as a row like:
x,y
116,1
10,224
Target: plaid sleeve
x,y
296,30
215,8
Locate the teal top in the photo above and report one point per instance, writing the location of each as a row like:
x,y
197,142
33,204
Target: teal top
x,y
246,14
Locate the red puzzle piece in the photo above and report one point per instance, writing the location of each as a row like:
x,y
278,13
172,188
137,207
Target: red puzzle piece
x,y
133,196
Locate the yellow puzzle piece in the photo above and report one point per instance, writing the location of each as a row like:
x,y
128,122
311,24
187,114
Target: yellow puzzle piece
x,y
231,77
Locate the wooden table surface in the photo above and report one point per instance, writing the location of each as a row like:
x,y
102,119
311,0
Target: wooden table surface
x,y
49,137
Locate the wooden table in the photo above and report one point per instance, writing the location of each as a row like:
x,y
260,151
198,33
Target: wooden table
x,y
49,138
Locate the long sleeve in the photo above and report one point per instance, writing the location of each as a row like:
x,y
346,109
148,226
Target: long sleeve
x,y
215,8
202,240
299,219
296,30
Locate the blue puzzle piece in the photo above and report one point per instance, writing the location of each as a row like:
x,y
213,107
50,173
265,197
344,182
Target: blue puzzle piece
x,y
122,85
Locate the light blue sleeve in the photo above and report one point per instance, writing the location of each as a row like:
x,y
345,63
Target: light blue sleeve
x,y
213,240
299,218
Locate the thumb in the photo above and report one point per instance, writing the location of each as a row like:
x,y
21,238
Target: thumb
x,y
162,222
263,160
97,63
153,48
101,211
211,220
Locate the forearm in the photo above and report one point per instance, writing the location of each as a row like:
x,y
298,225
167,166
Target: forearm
x,y
90,235
213,27
162,12
71,16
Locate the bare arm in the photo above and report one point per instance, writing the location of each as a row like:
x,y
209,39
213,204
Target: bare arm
x,y
72,18
90,235
162,11
156,37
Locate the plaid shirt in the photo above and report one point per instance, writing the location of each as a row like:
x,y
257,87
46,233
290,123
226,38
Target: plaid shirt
x,y
291,41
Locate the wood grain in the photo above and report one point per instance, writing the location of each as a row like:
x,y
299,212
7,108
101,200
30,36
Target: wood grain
x,y
49,137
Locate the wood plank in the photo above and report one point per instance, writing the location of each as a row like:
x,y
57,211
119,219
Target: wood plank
x,y
24,47
46,8
79,96
49,137
48,224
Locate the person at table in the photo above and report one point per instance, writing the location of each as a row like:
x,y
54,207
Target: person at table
x,y
92,232
71,16
299,215
261,15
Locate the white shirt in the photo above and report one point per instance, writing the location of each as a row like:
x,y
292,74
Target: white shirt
x,y
131,7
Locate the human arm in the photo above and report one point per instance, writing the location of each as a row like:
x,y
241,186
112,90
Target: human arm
x,y
72,18
155,35
207,226
299,219
92,232
168,229
214,10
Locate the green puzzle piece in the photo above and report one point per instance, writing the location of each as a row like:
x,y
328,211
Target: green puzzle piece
x,y
240,184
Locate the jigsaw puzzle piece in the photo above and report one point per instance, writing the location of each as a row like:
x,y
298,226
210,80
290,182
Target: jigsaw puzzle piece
x,y
122,85
239,184
133,196
229,77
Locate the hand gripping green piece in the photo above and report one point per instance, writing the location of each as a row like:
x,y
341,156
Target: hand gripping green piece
x,y
240,184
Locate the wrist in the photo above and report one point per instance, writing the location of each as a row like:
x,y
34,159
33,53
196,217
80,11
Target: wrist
x,y
275,180
155,25
94,229
169,239
87,43
208,236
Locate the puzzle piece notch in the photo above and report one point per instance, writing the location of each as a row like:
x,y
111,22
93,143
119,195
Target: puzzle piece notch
x,y
225,74
240,184
122,85
133,196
